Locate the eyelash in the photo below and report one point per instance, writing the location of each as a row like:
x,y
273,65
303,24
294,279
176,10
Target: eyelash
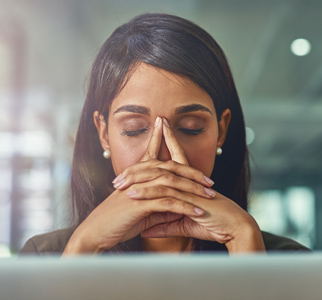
x,y
143,130
191,131
133,133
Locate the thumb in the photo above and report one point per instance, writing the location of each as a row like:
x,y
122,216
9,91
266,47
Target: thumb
x,y
159,218
163,230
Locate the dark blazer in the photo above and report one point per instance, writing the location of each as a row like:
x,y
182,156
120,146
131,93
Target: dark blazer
x,y
54,243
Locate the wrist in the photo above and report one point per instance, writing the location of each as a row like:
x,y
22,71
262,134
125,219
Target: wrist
x,y
79,244
248,239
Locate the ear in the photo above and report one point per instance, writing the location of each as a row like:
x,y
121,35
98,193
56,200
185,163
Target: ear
x,y
223,126
101,127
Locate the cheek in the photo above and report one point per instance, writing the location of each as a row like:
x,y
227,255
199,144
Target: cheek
x,y
125,152
202,156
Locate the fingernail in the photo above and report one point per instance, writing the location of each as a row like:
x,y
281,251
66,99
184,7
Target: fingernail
x,y
199,211
166,123
131,193
210,192
208,180
119,183
157,120
116,179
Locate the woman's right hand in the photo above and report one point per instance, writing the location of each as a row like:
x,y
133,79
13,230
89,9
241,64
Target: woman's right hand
x,y
119,218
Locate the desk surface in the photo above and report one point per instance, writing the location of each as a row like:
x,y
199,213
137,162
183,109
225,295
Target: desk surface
x,y
260,277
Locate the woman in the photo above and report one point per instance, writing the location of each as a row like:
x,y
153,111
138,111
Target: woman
x,y
163,110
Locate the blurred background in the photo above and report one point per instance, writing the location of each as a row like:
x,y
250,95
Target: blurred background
x,y
46,51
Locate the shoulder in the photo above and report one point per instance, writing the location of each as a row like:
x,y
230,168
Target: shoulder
x,y
278,243
48,244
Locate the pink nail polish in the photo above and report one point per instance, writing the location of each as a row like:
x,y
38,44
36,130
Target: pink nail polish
x,y
119,183
157,120
131,193
199,211
208,180
210,192
117,178
166,123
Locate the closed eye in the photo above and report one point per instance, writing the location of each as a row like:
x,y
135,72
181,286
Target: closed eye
x,y
191,131
133,132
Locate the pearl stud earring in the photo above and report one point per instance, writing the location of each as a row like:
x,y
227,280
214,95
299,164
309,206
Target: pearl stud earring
x,y
219,151
107,154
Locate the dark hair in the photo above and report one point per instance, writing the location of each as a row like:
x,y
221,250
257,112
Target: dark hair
x,y
176,45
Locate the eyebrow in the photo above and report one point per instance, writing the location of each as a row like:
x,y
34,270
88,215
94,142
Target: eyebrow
x,y
145,111
134,109
190,108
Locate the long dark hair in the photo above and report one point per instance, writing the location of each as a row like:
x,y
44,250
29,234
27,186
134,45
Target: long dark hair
x,y
176,45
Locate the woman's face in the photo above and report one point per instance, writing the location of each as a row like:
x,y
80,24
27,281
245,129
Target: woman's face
x,y
152,92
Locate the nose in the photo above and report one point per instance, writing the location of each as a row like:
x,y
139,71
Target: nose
x,y
164,153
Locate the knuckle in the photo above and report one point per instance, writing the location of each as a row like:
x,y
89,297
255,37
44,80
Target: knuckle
x,y
158,162
187,207
184,205
200,187
153,162
160,189
199,174
157,171
170,163
168,202
170,177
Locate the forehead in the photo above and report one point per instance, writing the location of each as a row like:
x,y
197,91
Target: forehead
x,y
160,91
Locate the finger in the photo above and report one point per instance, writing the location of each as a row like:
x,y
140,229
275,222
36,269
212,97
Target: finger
x,y
149,170
159,218
170,183
139,176
176,152
145,192
166,205
185,227
152,151
166,230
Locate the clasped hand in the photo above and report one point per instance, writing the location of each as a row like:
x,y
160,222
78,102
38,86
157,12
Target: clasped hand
x,y
165,199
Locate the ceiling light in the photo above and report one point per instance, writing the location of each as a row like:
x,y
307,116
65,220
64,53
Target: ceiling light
x,y
300,47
